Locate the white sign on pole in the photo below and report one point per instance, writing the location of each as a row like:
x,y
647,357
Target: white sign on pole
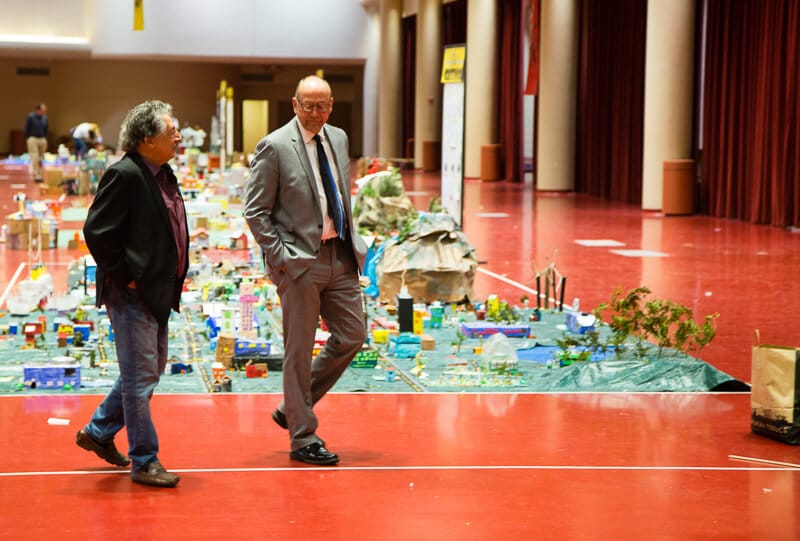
x,y
453,130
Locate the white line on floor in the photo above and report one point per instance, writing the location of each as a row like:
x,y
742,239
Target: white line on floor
x,y
11,283
763,461
506,280
411,468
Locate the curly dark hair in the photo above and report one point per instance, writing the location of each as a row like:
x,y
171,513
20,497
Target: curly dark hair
x,y
144,120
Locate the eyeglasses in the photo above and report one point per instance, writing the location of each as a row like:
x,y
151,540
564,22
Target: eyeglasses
x,y
171,133
321,107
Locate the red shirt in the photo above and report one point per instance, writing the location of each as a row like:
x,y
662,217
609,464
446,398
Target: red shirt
x,y
177,212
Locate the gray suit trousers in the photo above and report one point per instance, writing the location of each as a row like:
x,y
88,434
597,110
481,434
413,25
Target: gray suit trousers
x,y
329,288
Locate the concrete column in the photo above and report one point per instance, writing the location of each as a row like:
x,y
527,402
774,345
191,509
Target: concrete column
x,y
390,80
428,89
481,84
558,79
668,100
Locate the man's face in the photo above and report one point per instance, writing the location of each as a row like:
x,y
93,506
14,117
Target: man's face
x,y
313,106
42,110
162,147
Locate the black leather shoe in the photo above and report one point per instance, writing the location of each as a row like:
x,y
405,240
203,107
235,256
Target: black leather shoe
x,y
280,419
107,451
315,453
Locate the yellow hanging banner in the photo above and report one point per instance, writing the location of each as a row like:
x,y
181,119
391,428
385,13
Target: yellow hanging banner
x,y
138,15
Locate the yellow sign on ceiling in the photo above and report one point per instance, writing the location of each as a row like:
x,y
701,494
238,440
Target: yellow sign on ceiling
x,y
138,15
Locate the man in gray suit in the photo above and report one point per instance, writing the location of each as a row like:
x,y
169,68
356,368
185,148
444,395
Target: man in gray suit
x,y
297,204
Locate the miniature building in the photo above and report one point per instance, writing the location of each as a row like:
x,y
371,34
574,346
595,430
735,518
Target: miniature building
x,y
246,301
238,241
199,238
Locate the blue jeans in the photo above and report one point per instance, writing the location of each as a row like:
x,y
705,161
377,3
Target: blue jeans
x,y
142,355
80,147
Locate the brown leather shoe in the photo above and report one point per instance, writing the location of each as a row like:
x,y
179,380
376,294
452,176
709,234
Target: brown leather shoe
x,y
155,475
107,451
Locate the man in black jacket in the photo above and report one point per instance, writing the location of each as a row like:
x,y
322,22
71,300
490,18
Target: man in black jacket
x,y
136,231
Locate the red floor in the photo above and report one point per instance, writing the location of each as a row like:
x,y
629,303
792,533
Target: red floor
x,y
451,466
414,466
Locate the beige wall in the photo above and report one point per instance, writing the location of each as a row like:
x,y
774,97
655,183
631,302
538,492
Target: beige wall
x,y
104,90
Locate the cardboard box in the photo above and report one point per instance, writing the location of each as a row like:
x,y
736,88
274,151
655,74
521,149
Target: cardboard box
x,y
21,241
84,183
53,177
22,224
52,190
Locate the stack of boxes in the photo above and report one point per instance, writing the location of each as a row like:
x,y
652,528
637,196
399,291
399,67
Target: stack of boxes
x,y
53,180
27,232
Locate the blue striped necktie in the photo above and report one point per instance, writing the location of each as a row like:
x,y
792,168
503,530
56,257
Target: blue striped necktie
x,y
335,210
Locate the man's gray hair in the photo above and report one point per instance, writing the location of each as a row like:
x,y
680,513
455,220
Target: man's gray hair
x,y
144,120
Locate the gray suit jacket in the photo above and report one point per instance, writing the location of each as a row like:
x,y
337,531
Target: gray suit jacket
x,y
282,202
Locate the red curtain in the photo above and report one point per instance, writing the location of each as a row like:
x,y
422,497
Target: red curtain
x,y
454,22
510,89
532,16
610,126
751,112
409,82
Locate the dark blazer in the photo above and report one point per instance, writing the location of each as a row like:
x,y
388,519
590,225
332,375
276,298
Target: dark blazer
x,y
129,234
282,202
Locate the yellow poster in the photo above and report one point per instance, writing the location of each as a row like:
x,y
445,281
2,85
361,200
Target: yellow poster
x,y
453,64
138,15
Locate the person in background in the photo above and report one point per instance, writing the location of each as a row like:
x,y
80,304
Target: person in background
x,y
137,233
85,136
297,204
36,138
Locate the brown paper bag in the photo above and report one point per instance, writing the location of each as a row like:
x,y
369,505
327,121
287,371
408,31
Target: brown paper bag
x,y
775,393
